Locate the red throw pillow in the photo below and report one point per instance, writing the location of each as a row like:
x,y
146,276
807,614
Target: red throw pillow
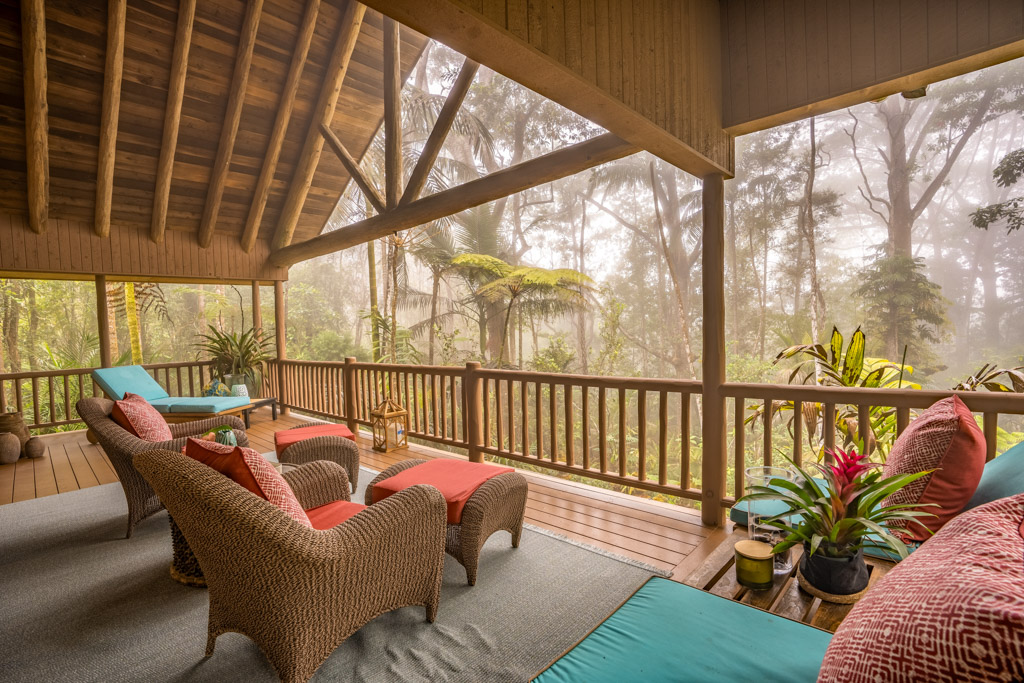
x,y
137,416
251,471
952,611
944,438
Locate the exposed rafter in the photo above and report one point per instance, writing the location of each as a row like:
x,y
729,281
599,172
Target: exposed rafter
x,y
172,117
438,134
284,113
543,169
116,11
232,116
37,156
334,77
392,113
352,167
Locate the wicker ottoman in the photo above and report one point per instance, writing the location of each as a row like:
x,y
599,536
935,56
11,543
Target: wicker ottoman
x,y
497,504
309,443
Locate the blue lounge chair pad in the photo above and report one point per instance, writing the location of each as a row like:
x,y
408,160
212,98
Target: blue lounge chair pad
x,y
671,632
115,382
198,404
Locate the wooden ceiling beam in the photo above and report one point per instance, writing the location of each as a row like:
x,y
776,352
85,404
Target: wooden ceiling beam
x,y
37,155
393,175
352,167
232,116
439,133
172,118
323,113
277,133
116,12
537,171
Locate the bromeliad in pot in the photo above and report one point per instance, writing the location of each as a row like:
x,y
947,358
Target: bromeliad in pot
x,y
836,517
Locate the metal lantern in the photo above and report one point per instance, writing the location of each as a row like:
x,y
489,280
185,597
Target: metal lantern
x,y
390,422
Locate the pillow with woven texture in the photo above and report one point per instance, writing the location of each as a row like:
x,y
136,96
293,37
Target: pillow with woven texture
x,y
137,416
952,611
251,471
944,438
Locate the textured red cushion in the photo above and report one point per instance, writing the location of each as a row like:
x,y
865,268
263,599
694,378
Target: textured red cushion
x,y
287,437
250,470
136,415
947,439
952,611
331,515
457,480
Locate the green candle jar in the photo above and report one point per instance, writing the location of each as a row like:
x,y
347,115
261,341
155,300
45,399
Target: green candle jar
x,y
755,567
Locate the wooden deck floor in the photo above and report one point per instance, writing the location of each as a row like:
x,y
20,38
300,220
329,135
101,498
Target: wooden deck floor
x,y
665,536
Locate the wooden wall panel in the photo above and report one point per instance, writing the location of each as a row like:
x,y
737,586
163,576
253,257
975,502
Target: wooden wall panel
x,y
71,247
788,59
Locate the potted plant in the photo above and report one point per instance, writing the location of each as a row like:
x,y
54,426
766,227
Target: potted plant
x,y
835,517
237,358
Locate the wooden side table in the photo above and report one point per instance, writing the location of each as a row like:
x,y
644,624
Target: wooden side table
x,y
785,598
259,403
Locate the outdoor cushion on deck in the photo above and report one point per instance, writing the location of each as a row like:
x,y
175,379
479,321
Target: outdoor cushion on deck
x,y
115,382
286,437
199,404
671,632
457,480
1001,477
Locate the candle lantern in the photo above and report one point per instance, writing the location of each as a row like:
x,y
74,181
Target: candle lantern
x,y
390,422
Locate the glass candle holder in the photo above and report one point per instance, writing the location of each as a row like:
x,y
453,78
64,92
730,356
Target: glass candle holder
x,y
755,567
756,528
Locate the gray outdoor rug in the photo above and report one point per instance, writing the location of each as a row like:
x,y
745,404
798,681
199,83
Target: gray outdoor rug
x,y
81,603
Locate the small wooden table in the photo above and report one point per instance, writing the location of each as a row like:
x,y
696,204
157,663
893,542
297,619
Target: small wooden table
x,y
785,598
259,403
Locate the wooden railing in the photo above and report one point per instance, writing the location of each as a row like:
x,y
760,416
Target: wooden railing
x,y
47,398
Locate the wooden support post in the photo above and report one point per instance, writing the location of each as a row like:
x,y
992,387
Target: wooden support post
x,y
116,11
351,395
393,176
37,155
990,422
103,320
284,113
257,314
232,116
713,465
438,134
172,118
352,166
474,388
279,330
323,113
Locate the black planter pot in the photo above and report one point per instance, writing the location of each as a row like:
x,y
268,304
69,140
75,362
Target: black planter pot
x,y
834,575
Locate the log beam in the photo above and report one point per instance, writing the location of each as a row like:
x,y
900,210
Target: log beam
x,y
323,113
284,113
232,115
116,11
438,134
352,166
543,169
393,175
37,156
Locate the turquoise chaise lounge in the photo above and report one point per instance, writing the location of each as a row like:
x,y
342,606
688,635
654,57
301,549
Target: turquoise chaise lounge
x,y
115,382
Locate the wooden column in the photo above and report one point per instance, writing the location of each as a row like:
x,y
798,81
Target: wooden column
x,y
257,314
103,320
473,386
37,156
279,329
393,180
116,11
713,460
351,392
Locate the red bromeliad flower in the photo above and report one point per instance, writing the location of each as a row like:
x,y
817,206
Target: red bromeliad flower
x,y
846,473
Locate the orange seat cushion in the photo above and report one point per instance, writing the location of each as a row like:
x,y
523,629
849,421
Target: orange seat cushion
x,y
331,515
457,480
287,437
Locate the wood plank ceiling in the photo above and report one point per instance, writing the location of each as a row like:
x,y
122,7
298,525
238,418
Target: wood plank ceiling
x,y
76,61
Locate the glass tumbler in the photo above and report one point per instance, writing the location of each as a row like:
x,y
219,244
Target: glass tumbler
x,y
756,513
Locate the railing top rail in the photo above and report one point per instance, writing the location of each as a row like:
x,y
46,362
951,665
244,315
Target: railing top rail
x,y
85,371
651,384
977,401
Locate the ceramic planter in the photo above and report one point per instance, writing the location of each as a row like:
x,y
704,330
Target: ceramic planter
x,y
834,576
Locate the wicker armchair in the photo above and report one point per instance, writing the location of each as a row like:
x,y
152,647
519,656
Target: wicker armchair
x,y
297,592
120,445
343,451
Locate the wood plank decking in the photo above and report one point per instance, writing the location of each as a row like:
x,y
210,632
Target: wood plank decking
x,y
666,536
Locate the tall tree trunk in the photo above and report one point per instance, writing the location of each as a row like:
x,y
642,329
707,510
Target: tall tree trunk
x,y
33,326
394,300
435,291
131,313
581,314
12,321
371,258
115,351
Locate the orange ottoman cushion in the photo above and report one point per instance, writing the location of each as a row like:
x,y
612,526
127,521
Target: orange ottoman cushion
x,y
287,437
455,479
331,515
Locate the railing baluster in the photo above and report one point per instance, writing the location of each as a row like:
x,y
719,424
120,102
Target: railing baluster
x,y
510,396
53,405
435,399
902,420
585,425
828,429
498,423
798,428
181,392
602,429
622,432
35,398
553,412
570,447
524,415
67,398
767,455
990,422
864,427
453,399
662,437
684,429
487,412
540,420
641,434
740,435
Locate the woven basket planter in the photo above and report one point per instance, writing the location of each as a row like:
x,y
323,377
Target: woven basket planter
x,y
13,423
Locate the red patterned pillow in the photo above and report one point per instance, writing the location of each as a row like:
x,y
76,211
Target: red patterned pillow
x,y
944,438
250,470
952,611
136,415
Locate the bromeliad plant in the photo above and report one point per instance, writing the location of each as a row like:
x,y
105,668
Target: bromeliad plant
x,y
845,513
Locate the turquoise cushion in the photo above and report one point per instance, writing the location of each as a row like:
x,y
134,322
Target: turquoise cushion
x,y
199,404
129,378
671,632
1002,477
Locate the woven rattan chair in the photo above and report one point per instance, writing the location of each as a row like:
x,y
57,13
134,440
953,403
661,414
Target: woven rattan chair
x,y
120,445
297,592
337,449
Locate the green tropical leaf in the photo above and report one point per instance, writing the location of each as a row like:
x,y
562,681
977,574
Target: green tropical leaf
x,y
853,364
